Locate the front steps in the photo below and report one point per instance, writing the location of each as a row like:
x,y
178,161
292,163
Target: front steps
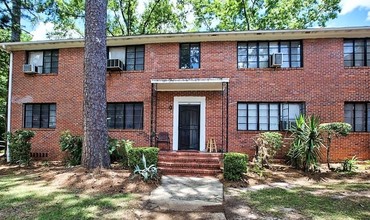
x,y
185,163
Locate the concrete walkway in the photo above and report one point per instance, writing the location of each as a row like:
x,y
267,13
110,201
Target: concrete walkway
x,y
203,195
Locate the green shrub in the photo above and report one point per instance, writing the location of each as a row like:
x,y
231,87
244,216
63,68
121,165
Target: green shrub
x,y
235,164
268,143
349,165
73,145
20,146
307,141
135,156
148,173
118,150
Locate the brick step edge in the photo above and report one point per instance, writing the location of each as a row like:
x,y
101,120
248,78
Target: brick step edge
x,y
189,160
189,165
179,171
197,154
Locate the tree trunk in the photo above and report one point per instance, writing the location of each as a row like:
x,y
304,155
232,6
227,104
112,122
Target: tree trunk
x,y
95,146
16,20
328,152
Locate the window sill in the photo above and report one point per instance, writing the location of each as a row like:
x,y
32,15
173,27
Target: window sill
x,y
190,69
269,69
125,130
42,74
124,72
40,129
357,67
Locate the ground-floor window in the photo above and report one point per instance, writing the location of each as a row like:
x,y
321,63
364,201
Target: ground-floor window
x,y
267,116
40,115
357,115
125,115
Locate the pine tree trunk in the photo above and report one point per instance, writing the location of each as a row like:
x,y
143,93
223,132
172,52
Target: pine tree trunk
x,y
16,21
95,146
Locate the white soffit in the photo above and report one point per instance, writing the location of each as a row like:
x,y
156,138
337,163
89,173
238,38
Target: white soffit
x,y
194,84
310,33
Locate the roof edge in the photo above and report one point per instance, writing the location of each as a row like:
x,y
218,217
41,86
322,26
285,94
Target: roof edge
x,y
310,33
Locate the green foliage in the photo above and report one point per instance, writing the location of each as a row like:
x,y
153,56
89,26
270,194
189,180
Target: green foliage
x,y
20,146
147,173
335,129
235,165
124,18
268,143
307,141
135,156
349,165
118,150
219,15
73,145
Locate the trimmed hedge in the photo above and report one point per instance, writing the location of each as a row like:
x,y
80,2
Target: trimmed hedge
x,y
135,154
235,164
20,146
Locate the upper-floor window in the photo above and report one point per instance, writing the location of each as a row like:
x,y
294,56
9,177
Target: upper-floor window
x,y
258,54
40,115
268,116
357,115
45,61
356,52
131,56
125,115
190,56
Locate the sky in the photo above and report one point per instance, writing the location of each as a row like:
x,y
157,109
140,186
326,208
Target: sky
x,y
354,13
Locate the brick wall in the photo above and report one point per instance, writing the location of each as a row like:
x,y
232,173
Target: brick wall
x,y
324,84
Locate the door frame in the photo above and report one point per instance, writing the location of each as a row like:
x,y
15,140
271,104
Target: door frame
x,y
189,100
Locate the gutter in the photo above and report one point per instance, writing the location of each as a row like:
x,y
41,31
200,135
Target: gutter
x,y
10,80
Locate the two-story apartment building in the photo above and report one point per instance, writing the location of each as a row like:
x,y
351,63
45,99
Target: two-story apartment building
x,y
196,86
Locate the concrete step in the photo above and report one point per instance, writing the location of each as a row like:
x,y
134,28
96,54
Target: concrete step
x,y
189,172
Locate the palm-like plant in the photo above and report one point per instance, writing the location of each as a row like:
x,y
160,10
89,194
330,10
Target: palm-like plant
x,y
307,141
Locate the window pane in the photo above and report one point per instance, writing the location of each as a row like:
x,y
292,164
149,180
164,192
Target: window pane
x,y
263,117
348,114
119,116
138,116
252,116
274,47
368,116
117,53
35,58
359,117
129,116
194,56
274,117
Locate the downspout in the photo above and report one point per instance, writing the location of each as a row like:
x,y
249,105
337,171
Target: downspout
x,y
9,104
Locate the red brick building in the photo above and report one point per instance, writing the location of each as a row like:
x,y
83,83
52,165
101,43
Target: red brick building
x,y
195,86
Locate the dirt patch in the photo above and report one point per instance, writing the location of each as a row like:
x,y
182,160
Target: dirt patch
x,y
79,179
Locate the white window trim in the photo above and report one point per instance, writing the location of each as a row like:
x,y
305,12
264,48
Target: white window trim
x,y
189,100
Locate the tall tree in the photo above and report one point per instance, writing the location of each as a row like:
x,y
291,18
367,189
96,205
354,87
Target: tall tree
x,y
125,17
95,145
234,15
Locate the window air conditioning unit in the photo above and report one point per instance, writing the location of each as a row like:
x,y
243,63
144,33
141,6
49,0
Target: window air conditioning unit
x,y
276,60
115,64
29,69
39,69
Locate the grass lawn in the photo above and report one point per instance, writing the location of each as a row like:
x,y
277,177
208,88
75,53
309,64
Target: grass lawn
x,y
28,196
320,201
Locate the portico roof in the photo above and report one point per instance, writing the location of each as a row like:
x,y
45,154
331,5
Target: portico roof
x,y
192,84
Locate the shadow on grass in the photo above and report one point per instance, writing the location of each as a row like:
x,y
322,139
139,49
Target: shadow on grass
x,y
278,201
24,197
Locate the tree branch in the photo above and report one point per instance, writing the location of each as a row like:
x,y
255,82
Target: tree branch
x,y
150,14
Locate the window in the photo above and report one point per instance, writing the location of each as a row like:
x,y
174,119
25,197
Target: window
x,y
356,52
190,56
257,54
131,56
45,61
357,115
40,116
268,116
125,115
